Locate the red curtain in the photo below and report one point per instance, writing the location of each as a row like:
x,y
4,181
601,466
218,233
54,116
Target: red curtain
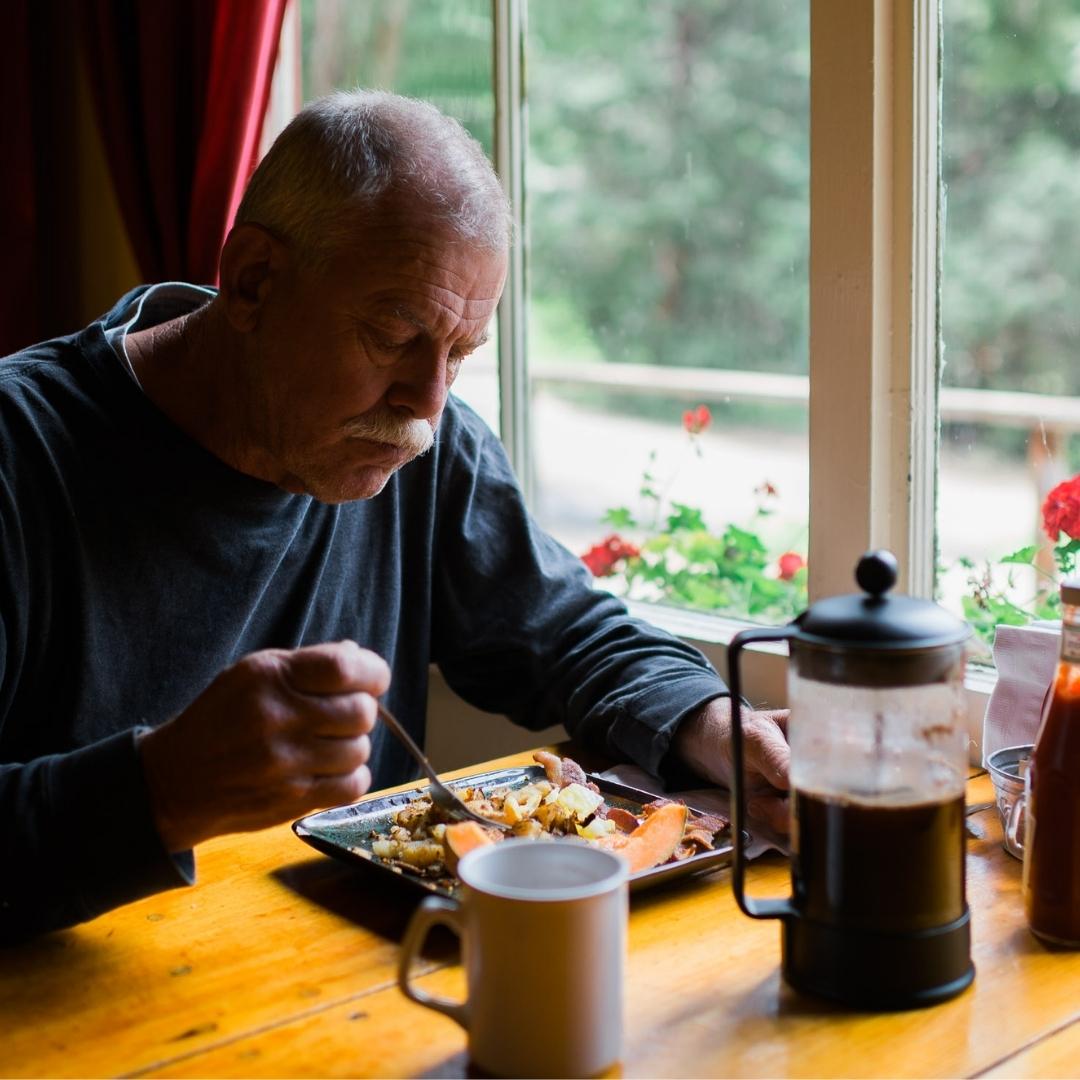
x,y
180,88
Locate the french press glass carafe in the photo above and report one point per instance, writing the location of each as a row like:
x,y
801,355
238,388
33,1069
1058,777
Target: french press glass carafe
x,y
877,917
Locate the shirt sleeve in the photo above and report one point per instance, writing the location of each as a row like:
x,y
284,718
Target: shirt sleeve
x,y
77,835
77,839
520,629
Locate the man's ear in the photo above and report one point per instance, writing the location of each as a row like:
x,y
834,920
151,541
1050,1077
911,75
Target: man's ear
x,y
251,262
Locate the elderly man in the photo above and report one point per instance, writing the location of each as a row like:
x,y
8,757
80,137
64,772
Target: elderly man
x,y
231,520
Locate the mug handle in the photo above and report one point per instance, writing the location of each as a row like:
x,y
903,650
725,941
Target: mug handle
x,y
434,911
1014,826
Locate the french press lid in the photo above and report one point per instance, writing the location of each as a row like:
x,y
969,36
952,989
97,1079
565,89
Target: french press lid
x,y
874,639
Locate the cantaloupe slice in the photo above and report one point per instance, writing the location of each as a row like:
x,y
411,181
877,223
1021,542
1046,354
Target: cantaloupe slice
x,y
653,842
462,837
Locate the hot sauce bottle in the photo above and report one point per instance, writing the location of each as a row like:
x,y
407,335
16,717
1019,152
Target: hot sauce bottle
x,y
1052,837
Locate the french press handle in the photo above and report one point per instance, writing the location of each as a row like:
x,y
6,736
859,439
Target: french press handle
x,y
756,909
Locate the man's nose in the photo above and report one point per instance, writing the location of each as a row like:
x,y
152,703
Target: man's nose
x,y
421,382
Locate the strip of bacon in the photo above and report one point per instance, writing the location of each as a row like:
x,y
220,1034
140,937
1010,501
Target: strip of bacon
x,y
624,820
712,823
699,837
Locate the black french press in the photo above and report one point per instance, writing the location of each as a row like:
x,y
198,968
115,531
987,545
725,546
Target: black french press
x,y
877,916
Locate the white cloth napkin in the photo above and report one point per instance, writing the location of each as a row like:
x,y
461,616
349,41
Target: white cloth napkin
x,y
709,800
1026,658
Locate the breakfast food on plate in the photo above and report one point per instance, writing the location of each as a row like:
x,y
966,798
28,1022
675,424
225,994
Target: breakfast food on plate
x,y
423,840
654,841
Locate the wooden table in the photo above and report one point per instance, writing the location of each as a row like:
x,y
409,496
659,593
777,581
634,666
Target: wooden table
x,y
281,962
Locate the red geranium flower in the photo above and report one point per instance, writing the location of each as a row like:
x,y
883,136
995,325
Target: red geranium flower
x,y
696,420
790,563
1061,510
601,558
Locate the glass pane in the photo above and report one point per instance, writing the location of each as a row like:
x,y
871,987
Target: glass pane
x,y
668,179
438,50
1010,319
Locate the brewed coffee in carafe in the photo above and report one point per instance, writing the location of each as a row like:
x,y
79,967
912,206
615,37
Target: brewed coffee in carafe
x,y
877,916
877,804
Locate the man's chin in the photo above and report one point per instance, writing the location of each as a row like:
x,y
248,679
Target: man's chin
x,y
365,483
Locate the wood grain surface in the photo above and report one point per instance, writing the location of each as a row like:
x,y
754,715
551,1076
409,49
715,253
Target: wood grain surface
x,y
282,962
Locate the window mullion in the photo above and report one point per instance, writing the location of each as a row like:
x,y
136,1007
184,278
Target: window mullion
x,y
923,344
511,141
873,258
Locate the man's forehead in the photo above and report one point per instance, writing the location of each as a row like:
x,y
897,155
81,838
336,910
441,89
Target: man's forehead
x,y
433,317
429,280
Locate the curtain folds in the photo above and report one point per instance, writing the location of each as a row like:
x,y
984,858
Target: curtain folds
x,y
180,89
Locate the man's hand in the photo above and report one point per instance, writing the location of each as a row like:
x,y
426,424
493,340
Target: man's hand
x,y
704,743
278,734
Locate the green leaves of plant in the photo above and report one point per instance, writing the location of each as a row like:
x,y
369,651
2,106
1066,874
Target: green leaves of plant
x,y
685,518
687,565
990,602
619,517
682,562
1025,556
1065,556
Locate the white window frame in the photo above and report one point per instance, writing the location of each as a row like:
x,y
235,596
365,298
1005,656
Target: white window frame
x,y
511,145
874,338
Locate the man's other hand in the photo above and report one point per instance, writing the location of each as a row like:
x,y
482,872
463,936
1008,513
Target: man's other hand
x,y
275,736
704,743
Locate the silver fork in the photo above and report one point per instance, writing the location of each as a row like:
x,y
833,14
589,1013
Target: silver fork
x,y
441,795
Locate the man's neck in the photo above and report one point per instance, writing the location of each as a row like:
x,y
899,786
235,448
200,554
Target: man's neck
x,y
185,370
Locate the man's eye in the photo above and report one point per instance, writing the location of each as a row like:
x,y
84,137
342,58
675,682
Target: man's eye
x,y
392,344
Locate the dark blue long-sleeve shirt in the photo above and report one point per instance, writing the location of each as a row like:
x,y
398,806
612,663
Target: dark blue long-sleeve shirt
x,y
135,566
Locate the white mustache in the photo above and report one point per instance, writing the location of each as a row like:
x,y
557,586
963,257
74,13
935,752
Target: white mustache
x,y
414,436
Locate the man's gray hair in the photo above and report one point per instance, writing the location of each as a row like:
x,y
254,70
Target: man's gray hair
x,y
339,156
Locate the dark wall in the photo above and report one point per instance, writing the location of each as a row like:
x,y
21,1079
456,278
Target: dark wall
x,y
39,269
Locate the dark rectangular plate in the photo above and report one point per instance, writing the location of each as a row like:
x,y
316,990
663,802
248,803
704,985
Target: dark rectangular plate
x,y
345,831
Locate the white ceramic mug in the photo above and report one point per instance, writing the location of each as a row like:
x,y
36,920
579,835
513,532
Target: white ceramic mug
x,y
543,930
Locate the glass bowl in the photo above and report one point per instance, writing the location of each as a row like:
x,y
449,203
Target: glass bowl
x,y
1007,768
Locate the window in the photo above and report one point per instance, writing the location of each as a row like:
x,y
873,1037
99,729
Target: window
x,y
667,188
1011,276
870,374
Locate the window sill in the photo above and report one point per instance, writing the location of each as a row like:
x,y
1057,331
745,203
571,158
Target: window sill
x,y
698,628
765,663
